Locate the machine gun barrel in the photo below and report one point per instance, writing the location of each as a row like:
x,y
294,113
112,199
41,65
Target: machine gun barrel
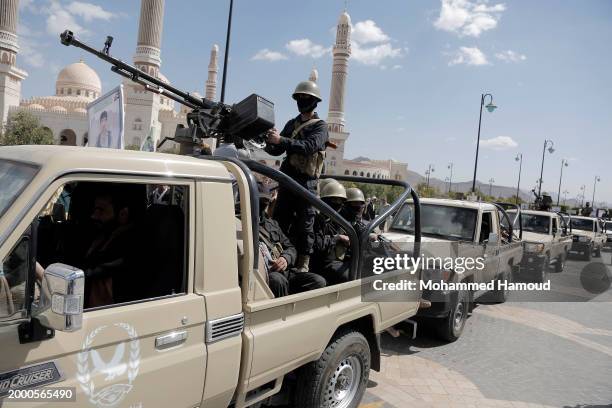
x,y
150,83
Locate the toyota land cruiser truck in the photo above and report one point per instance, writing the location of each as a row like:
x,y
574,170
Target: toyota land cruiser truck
x,y
191,320
588,237
546,241
467,230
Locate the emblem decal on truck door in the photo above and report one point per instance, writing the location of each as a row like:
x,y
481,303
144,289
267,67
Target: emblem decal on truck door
x,y
28,377
112,369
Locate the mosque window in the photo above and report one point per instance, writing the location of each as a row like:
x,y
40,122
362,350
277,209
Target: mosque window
x,y
346,172
78,92
354,173
368,175
69,91
137,124
361,174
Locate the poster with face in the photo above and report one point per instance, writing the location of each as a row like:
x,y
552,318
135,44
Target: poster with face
x,y
106,116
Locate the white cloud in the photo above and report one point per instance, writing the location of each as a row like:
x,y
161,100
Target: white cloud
x,y
468,56
306,48
365,32
30,54
468,17
374,55
396,66
89,11
60,19
510,56
499,143
268,55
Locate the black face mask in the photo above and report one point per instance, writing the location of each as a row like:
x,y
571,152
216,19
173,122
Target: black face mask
x,y
306,105
334,204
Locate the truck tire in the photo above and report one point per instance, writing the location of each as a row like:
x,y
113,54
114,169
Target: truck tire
x,y
560,264
544,272
588,254
501,295
339,377
598,252
449,328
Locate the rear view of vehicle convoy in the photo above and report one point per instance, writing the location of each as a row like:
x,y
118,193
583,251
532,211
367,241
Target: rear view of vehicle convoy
x,y
194,322
463,230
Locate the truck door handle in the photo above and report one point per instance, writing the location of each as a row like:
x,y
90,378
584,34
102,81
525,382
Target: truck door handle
x,y
170,340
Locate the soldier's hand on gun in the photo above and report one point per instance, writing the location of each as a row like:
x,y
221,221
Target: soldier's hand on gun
x,y
344,239
280,264
273,136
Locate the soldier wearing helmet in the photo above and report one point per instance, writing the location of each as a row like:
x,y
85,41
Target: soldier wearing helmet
x,y
303,139
331,243
353,209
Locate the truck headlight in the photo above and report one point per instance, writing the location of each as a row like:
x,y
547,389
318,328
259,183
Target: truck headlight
x,y
533,247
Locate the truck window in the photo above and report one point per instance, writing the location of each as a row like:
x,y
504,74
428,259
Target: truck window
x,y
539,224
13,278
582,224
555,227
14,177
128,238
453,223
486,226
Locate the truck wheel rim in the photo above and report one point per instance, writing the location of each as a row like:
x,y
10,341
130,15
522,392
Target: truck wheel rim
x,y
459,314
343,384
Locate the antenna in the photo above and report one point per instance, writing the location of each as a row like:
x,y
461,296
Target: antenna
x,y
227,45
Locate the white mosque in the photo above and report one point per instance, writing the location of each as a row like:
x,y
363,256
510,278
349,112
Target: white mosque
x,y
77,85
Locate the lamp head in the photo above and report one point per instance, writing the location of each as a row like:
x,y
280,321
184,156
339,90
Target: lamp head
x,y
490,107
551,150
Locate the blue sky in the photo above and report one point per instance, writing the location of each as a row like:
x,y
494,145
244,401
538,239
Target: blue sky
x,y
415,78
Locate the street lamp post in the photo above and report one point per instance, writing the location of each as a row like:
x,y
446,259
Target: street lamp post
x,y
582,188
563,164
490,107
450,180
565,193
594,185
519,158
428,173
550,150
491,181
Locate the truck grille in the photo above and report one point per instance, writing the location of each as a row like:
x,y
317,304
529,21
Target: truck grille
x,y
224,327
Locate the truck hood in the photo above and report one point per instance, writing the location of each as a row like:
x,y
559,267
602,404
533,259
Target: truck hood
x,y
580,233
405,237
535,237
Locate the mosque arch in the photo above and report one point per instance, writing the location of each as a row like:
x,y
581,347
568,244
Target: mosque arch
x,y
67,137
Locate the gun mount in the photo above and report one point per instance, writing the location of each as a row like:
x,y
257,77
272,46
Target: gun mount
x,y
247,120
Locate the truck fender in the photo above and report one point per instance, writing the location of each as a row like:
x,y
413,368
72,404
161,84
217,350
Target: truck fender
x,y
365,325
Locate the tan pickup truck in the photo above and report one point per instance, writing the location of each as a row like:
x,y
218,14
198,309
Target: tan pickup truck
x,y
191,320
589,236
475,233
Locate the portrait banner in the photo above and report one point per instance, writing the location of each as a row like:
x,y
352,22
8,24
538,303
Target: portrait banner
x,y
106,120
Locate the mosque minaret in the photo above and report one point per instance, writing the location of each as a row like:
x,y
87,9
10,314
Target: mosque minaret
x,y
10,75
341,52
213,69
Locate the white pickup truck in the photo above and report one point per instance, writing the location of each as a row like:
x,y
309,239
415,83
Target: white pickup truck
x,y
588,237
460,229
546,240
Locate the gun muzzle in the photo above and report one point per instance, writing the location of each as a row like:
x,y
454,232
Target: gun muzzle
x,y
66,37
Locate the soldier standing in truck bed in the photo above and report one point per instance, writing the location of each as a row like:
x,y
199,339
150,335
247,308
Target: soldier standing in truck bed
x,y
304,140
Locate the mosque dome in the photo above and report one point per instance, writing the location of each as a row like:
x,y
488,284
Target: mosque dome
x,y
344,18
78,79
80,110
58,108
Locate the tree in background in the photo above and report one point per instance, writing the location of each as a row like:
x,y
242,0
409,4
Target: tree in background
x,y
427,192
23,128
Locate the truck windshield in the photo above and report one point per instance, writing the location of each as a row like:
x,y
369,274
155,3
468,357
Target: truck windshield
x,y
535,223
14,177
453,223
609,227
581,224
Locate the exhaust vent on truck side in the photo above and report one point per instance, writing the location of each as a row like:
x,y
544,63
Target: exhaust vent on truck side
x,y
224,327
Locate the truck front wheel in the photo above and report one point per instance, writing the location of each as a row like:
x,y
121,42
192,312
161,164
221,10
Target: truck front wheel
x,y
450,327
339,377
598,252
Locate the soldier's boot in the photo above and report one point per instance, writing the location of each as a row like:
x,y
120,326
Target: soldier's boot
x,y
302,263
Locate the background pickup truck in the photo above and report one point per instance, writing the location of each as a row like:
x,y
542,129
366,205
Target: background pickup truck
x,y
190,321
460,229
588,236
546,240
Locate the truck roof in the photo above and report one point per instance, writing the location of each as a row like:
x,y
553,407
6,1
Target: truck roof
x,y
535,212
54,160
459,203
582,217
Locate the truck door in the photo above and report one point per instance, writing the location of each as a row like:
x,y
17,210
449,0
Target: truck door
x,y
142,336
488,226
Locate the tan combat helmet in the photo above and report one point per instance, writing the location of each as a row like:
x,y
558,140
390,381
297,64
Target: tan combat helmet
x,y
307,88
323,182
333,189
354,194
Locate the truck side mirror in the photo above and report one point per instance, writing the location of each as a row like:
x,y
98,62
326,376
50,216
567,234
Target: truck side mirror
x,y
60,306
493,238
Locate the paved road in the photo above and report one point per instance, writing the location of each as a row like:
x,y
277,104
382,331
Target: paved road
x,y
519,354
